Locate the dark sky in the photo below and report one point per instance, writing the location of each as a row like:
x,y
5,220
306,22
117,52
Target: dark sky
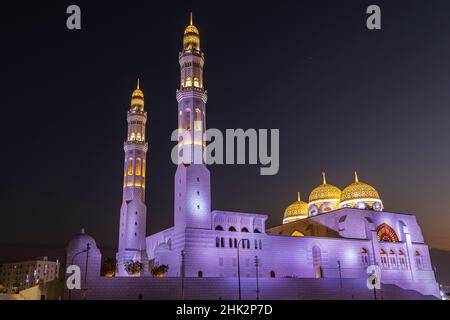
x,y
344,98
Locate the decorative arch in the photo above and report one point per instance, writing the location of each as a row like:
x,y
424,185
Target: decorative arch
x,y
244,229
231,229
219,228
297,233
385,233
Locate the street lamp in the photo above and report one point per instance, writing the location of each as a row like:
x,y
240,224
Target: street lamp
x,y
239,267
340,273
183,257
88,247
257,277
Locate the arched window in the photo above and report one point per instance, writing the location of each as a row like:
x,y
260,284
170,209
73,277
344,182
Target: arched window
x,y
197,120
138,136
392,258
386,234
196,83
231,229
188,82
272,274
138,166
364,257
244,229
401,259
222,242
133,136
143,168
260,245
130,166
219,228
217,242
297,233
384,259
256,231
200,274
187,120
231,243
418,259
235,243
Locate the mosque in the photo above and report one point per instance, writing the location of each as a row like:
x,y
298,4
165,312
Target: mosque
x,y
324,245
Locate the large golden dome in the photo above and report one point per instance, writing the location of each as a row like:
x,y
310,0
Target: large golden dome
x,y
191,39
359,191
297,210
325,191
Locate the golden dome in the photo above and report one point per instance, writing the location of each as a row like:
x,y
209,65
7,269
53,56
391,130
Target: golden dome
x,y
359,191
325,191
297,210
191,39
137,98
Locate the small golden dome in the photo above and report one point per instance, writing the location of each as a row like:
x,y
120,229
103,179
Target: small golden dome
x,y
191,39
325,191
297,210
359,191
137,98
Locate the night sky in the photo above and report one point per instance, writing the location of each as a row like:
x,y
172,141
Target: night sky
x,y
344,98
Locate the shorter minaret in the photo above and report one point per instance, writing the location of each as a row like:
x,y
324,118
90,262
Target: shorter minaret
x,y
133,212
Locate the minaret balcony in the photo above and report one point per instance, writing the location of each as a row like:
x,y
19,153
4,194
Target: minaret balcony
x,y
191,51
135,145
192,92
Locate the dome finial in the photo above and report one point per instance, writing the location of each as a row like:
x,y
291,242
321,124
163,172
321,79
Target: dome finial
x,y
82,231
298,196
324,177
356,177
137,87
190,18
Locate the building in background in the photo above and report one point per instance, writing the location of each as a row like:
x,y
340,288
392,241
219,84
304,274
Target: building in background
x,y
18,276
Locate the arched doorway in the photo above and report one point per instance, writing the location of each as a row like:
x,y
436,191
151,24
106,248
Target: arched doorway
x,y
317,261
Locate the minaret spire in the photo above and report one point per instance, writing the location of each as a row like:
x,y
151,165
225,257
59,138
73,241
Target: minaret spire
x,y
324,177
137,87
190,19
356,177
298,196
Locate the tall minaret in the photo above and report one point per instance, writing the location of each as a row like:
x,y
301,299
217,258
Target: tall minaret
x,y
133,212
192,179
